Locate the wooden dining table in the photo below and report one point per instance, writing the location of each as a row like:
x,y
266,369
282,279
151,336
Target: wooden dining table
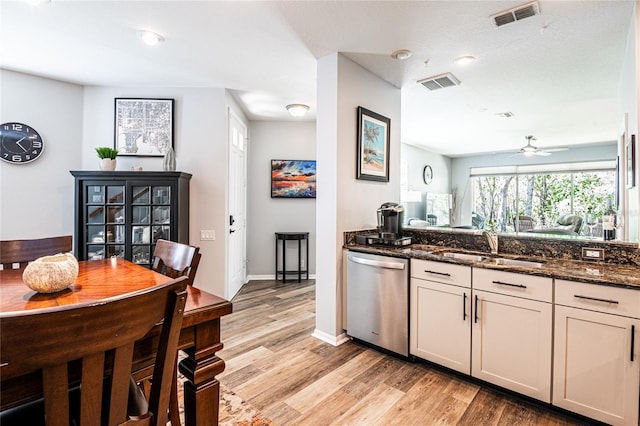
x,y
101,279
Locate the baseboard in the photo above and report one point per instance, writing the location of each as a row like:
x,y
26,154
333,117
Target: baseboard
x,y
328,338
273,277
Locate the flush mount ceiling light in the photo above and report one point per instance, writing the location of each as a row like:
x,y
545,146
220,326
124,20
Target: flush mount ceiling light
x,y
402,54
150,38
464,60
297,110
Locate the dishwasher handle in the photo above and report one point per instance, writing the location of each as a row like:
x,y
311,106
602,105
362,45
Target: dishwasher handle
x,y
377,263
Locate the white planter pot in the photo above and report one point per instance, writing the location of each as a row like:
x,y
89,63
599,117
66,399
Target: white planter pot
x,y
107,164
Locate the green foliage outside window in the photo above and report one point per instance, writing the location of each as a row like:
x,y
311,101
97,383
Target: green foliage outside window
x,y
543,197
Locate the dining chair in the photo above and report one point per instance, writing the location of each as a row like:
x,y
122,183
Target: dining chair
x,y
102,336
21,252
175,259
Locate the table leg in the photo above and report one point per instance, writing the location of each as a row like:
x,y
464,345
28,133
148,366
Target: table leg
x,y
284,261
276,258
201,389
299,262
307,240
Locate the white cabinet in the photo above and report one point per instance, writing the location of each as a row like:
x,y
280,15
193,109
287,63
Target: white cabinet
x,y
596,365
512,331
440,314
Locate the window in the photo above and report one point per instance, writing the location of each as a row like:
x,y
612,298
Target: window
x,y
541,193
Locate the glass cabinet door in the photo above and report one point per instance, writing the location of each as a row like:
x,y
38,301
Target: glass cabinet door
x,y
104,223
150,220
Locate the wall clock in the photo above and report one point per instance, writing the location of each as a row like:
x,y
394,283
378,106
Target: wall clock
x,y
427,174
19,143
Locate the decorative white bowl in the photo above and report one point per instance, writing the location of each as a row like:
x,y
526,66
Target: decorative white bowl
x,y
49,274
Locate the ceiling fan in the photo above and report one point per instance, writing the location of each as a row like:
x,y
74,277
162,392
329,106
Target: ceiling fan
x,y
530,150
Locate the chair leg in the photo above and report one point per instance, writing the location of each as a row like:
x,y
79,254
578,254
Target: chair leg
x,y
174,409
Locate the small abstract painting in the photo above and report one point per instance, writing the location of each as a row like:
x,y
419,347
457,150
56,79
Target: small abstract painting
x,y
293,179
373,146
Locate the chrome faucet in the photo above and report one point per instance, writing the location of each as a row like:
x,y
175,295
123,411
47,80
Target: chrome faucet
x,y
492,238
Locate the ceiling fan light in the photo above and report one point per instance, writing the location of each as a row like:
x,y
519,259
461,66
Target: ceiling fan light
x,y
297,110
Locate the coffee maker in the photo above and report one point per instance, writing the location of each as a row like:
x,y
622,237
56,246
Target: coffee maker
x,y
390,218
390,222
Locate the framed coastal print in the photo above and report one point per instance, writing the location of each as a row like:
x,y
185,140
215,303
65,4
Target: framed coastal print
x,y
373,146
293,179
143,127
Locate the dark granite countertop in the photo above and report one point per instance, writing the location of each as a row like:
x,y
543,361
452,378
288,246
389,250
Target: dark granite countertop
x,y
618,275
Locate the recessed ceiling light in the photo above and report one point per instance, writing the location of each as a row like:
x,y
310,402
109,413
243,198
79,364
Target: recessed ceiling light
x,y
402,54
464,60
150,38
297,110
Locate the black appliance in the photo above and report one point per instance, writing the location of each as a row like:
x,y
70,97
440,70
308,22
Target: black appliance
x,y
390,220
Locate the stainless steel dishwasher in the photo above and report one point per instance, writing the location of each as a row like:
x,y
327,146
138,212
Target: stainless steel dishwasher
x,y
378,301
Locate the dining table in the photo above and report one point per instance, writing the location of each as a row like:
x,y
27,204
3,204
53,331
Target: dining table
x,y
101,279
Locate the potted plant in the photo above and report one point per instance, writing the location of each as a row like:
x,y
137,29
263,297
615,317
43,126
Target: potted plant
x,y
107,158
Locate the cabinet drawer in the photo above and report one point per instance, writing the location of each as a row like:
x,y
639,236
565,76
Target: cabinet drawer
x,y
519,285
601,298
441,272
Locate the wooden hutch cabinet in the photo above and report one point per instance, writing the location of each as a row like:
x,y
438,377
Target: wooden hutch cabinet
x,y
123,214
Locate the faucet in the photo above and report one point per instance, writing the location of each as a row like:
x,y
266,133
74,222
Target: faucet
x,y
492,238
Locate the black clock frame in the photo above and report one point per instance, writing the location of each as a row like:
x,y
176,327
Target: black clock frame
x,y
15,135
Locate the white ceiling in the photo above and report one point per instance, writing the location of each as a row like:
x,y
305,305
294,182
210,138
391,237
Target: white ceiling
x,y
557,72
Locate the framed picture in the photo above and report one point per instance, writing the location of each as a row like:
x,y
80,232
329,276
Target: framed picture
x,y
373,146
631,162
143,127
293,179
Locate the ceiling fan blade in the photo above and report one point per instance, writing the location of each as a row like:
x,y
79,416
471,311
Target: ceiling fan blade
x,y
556,149
542,153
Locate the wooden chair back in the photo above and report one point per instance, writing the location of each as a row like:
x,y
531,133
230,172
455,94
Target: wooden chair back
x,y
176,259
22,252
102,336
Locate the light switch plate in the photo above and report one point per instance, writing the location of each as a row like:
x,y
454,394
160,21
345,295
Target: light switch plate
x,y
589,253
207,235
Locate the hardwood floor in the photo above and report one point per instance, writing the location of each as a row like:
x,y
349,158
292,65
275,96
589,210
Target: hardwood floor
x,y
274,364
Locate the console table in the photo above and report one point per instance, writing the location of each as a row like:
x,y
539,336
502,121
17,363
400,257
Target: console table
x,y
295,236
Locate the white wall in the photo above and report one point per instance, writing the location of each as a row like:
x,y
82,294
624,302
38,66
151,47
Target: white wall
x,y
345,203
416,159
36,199
460,169
274,140
200,143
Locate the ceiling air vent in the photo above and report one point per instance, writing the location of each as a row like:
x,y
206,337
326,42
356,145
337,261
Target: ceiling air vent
x,y
516,14
439,81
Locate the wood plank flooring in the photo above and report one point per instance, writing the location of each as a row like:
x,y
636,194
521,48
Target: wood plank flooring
x,y
274,364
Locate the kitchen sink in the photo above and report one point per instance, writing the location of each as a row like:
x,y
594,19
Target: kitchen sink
x,y
516,262
463,256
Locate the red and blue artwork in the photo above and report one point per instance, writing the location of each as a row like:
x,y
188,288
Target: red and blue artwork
x,y
293,179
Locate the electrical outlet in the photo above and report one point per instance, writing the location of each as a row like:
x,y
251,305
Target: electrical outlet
x,y
207,235
592,253
302,263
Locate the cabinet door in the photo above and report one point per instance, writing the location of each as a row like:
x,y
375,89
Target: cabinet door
x,y
441,324
512,343
151,217
596,369
104,214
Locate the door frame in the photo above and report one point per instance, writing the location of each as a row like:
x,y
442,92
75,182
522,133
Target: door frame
x,y
232,115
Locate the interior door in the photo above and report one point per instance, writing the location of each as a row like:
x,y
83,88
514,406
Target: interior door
x,y
237,196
